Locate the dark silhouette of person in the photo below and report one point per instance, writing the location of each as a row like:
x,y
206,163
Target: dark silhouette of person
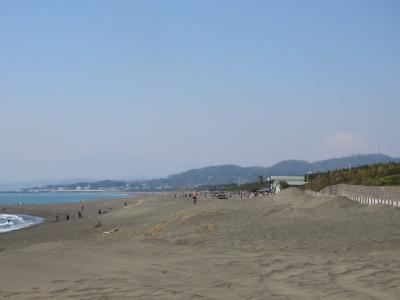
x,y
100,221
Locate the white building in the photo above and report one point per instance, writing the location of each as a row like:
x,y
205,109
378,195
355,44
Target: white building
x,y
275,182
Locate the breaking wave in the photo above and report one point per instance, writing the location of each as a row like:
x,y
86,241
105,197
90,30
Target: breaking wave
x,y
14,222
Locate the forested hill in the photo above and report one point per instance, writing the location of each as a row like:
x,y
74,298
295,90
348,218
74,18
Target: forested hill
x,y
226,174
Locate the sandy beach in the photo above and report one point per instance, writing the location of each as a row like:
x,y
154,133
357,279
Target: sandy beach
x,y
286,246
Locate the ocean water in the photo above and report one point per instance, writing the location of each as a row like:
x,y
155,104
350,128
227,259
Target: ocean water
x,y
11,198
14,222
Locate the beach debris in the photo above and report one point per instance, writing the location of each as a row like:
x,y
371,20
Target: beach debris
x,y
111,231
156,230
206,228
140,202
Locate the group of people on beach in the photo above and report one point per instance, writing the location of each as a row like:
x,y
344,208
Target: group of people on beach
x,y
80,215
67,217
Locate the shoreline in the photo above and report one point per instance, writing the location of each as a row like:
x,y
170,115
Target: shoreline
x,y
13,222
51,229
50,210
63,198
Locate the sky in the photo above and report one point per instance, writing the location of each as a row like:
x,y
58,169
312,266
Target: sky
x,y
142,89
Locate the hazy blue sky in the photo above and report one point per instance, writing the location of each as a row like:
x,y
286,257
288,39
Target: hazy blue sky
x,y
130,89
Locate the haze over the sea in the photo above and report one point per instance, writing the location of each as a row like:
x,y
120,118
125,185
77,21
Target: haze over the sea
x,y
141,89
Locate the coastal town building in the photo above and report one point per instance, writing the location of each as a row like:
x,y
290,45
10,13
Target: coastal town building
x,y
276,181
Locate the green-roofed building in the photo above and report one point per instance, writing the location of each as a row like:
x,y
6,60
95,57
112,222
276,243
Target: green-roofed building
x,y
275,185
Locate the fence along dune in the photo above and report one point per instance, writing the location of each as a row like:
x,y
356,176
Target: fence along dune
x,y
371,195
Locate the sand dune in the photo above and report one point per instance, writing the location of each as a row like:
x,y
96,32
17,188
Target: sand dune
x,y
287,246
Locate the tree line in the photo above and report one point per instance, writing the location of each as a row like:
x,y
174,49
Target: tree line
x,y
371,175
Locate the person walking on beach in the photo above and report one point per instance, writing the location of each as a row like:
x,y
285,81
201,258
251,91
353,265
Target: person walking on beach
x,y
194,198
100,221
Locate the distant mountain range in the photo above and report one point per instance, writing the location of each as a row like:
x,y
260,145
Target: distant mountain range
x,y
226,174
